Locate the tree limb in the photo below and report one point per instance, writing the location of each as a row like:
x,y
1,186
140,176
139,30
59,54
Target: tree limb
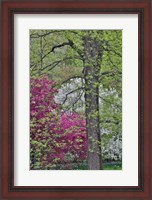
x,y
66,96
69,79
80,95
74,47
54,47
36,35
59,61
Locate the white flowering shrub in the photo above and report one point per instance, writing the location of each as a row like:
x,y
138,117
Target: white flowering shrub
x,y
112,148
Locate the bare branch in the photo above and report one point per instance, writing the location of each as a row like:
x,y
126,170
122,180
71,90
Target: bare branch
x,y
69,79
79,97
54,64
60,45
54,47
36,35
73,91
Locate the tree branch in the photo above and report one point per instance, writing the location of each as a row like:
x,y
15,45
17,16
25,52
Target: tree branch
x,y
69,79
54,47
60,45
80,95
108,102
36,35
66,96
109,73
112,50
54,64
74,47
110,121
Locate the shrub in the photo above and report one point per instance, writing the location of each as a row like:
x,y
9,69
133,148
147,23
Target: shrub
x,y
55,137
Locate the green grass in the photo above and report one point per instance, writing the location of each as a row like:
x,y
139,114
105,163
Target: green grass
x,y
80,167
106,166
112,166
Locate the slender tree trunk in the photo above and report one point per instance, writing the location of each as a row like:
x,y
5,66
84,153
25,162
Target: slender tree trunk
x,y
91,75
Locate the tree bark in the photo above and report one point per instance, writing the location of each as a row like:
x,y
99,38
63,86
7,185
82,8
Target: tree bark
x,y
91,76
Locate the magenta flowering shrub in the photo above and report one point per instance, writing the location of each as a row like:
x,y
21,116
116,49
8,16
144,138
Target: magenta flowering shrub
x,y
56,137
74,128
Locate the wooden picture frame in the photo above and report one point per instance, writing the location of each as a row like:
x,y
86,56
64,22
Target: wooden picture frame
x,y
11,7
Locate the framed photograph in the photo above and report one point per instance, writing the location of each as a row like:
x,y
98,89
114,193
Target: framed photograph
x,y
76,100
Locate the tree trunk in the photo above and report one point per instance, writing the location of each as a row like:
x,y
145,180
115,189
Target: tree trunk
x,y
91,76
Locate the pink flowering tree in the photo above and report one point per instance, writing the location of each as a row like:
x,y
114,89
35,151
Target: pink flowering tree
x,y
56,138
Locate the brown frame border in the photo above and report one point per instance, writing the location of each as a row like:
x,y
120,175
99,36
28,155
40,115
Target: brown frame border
x,y
10,7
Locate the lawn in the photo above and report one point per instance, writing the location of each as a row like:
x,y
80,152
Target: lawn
x,y
106,166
